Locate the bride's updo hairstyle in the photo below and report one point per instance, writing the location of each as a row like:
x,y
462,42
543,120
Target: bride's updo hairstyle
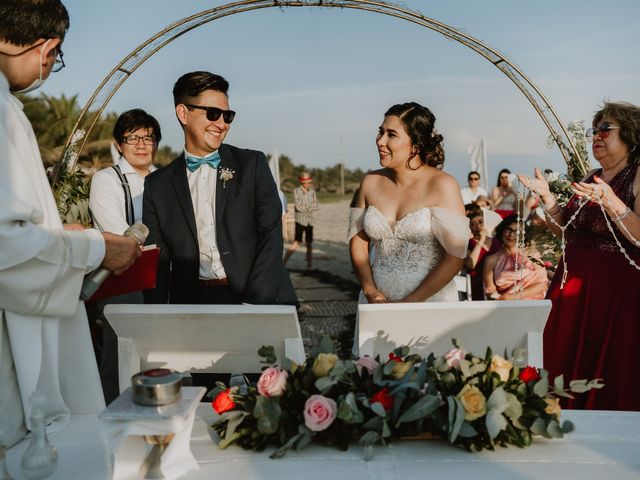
x,y
419,123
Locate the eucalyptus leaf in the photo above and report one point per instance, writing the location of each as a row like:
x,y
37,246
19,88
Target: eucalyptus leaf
x,y
423,407
514,407
374,423
541,388
495,422
538,427
498,400
467,430
421,375
465,368
558,382
554,430
280,452
378,409
567,426
386,431
324,384
458,417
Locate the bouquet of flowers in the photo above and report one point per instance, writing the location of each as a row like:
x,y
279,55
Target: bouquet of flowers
x,y
475,402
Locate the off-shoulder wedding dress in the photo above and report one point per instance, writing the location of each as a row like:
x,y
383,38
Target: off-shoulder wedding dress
x,y
405,251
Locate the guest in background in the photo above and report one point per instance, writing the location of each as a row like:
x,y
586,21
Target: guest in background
x,y
491,218
593,329
474,190
411,212
116,203
480,245
503,196
306,202
116,192
502,280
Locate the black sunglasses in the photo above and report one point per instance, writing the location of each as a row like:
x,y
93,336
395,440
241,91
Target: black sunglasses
x,y
213,113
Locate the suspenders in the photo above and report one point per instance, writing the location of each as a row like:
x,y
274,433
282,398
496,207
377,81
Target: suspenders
x,y
128,200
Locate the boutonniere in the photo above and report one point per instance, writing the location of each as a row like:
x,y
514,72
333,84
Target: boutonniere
x,y
226,174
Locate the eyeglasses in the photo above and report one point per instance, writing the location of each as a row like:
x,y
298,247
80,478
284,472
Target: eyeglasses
x,y
473,179
510,231
603,130
134,139
213,113
58,64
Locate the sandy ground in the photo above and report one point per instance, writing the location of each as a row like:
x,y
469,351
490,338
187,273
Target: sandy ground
x,y
330,250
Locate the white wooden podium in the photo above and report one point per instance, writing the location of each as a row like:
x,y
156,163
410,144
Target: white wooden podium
x,y
429,327
202,338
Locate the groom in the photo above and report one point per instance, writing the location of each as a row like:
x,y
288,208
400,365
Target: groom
x,y
214,211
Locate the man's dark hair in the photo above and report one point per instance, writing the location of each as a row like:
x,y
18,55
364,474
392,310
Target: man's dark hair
x,y
192,84
23,22
472,172
132,120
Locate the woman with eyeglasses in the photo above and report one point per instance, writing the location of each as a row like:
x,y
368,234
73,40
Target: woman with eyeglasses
x,y
116,192
509,274
411,215
116,203
502,196
593,329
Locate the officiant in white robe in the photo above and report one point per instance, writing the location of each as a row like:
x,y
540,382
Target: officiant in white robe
x,y
45,343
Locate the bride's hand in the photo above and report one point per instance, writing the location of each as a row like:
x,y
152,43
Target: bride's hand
x,y
376,296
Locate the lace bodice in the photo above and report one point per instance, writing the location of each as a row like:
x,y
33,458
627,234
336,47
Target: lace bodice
x,y
405,251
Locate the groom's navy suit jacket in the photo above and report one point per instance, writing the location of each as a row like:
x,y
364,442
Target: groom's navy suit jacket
x,y
248,231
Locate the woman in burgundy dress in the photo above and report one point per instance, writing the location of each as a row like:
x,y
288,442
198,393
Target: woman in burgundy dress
x,y
593,330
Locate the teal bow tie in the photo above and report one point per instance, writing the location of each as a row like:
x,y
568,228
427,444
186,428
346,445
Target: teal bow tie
x,y
193,163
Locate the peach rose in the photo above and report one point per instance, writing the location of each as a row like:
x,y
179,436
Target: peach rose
x,y
501,366
454,356
366,362
319,412
272,382
473,401
323,364
553,407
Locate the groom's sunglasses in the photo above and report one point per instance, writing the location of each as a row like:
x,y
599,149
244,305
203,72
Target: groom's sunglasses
x,y
213,113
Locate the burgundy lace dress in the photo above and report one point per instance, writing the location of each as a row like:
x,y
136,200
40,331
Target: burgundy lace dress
x,y
593,330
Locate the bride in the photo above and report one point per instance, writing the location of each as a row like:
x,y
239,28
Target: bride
x,y
408,233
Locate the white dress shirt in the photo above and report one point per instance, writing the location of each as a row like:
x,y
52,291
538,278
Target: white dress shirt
x,y
202,185
469,195
107,200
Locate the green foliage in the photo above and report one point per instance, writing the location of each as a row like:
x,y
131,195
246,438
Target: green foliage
x,y
469,404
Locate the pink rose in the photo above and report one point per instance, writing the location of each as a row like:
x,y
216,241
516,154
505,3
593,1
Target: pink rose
x,y
454,356
366,362
319,412
272,382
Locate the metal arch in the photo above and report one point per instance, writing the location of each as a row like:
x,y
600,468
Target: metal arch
x,y
121,72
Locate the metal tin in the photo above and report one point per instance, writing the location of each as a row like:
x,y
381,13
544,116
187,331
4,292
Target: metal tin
x,y
155,387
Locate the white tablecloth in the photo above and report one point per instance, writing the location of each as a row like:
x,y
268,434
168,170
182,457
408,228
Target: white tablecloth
x,y
605,445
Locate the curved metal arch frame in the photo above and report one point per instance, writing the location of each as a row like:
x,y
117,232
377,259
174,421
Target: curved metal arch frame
x,y
121,72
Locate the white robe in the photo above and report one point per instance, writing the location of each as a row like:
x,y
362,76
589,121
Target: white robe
x,y
41,272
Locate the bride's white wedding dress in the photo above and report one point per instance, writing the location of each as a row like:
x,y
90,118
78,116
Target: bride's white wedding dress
x,y
405,251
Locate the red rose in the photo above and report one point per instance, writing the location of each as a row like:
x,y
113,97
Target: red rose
x,y
384,398
223,402
394,357
529,374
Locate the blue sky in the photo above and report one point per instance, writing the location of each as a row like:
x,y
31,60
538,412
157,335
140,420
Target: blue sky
x,y
315,83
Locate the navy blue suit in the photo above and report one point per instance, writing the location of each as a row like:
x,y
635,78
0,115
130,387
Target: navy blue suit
x,y
248,230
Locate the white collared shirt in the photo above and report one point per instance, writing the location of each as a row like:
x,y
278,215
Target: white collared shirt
x,y
202,186
107,200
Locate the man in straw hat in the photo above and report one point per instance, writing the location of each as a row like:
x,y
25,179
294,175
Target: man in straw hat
x,y
306,203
